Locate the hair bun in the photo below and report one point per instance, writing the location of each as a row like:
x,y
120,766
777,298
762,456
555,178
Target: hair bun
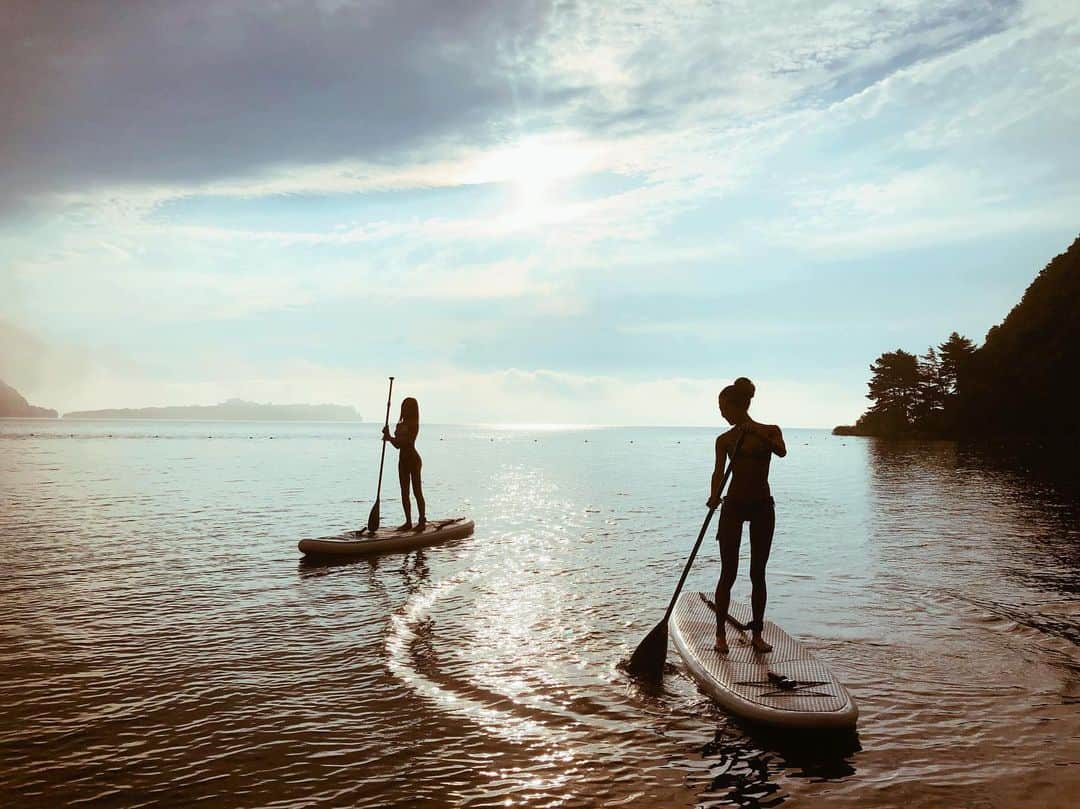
x,y
744,387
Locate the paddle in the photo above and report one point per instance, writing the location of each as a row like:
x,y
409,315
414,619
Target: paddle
x,y
739,625
373,517
647,661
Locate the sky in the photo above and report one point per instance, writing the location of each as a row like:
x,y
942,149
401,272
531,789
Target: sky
x,y
542,212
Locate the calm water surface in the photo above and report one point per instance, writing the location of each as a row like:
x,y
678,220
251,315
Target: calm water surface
x,y
162,643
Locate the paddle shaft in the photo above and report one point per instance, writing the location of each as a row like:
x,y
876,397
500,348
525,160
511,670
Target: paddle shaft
x,y
701,534
386,425
373,517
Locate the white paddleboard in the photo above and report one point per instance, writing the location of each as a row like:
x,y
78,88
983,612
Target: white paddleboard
x,y
787,687
386,540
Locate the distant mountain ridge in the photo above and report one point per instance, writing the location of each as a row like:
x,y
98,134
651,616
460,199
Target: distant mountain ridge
x,y
231,410
13,405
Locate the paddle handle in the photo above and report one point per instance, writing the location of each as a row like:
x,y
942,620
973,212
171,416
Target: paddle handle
x,y
701,534
386,425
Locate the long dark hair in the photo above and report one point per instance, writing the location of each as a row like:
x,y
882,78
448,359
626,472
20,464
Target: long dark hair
x,y
410,413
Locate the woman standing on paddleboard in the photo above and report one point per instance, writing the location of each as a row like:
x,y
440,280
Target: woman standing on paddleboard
x,y
409,463
750,446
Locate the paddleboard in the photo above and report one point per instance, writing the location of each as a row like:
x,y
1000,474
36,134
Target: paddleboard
x,y
786,687
386,540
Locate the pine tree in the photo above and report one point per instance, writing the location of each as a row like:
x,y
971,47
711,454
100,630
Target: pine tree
x,y
894,390
930,404
956,354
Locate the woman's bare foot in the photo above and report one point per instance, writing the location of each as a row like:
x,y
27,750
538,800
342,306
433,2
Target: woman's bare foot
x,y
405,526
721,644
760,646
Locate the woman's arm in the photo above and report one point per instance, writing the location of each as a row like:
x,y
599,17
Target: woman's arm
x,y
387,437
718,473
778,445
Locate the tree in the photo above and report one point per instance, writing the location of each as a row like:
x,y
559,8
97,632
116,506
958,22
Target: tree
x,y
956,354
930,402
894,389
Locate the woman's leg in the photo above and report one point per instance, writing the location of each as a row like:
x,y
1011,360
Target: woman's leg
x,y
403,480
418,490
729,535
761,536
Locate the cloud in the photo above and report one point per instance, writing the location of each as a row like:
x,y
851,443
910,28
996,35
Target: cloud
x,y
164,92
832,233
126,109
271,97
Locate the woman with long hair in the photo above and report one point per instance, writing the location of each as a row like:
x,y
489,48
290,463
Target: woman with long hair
x,y
749,446
409,463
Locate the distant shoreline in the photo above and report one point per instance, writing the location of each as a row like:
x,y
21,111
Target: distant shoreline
x,y
851,431
269,420
232,410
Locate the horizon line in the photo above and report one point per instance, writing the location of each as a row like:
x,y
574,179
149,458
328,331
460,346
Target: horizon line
x,y
525,425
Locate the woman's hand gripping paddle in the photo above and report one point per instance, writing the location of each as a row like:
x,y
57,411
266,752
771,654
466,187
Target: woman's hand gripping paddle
x,y
373,517
647,661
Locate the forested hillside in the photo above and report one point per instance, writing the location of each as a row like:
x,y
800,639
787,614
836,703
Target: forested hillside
x,y
1022,381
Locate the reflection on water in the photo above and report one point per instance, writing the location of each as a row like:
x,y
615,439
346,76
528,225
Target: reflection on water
x,y
744,765
1017,531
162,643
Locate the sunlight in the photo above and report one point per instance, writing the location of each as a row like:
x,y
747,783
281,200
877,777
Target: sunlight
x,y
536,168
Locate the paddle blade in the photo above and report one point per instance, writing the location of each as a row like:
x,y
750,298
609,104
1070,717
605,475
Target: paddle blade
x,y
647,661
373,519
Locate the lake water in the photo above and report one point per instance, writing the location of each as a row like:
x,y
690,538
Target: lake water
x,y
162,643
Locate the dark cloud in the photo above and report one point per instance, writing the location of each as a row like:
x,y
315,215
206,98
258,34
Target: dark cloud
x,y
111,91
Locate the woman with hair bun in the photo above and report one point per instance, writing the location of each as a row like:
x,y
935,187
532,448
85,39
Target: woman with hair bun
x,y
750,447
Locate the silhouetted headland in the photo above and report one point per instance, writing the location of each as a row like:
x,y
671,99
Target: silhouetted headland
x,y
1022,383
232,410
13,405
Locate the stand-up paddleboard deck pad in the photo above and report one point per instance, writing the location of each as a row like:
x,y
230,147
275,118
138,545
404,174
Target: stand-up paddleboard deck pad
x,y
385,540
786,687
